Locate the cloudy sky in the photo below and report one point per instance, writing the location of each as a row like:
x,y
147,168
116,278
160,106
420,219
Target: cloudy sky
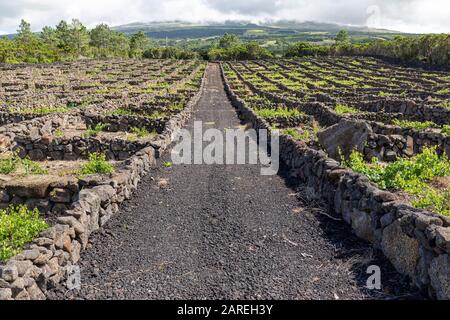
x,y
403,15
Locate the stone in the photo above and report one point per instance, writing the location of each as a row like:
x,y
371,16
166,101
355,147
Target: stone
x,y
43,205
43,242
9,272
76,250
59,208
18,284
22,295
5,142
383,196
29,187
422,221
5,294
346,135
400,249
35,293
443,238
60,195
409,150
44,256
23,267
74,223
390,155
36,155
440,276
4,196
46,139
362,225
30,254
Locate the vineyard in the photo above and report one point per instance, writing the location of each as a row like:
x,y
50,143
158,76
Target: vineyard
x,y
368,138
388,122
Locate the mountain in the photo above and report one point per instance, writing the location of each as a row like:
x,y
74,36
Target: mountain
x,y
247,30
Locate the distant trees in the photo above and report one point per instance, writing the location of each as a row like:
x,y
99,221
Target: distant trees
x,y
169,53
230,47
301,49
139,42
70,41
432,48
342,37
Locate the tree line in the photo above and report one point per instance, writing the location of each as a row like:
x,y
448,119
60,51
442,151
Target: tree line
x,y
73,41
70,41
432,49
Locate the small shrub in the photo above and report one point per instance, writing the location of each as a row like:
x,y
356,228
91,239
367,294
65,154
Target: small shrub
x,y
141,132
410,175
99,127
278,113
97,165
18,226
16,164
414,124
344,109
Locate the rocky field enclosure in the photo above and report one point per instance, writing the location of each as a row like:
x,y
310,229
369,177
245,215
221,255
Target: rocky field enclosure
x,y
372,139
75,140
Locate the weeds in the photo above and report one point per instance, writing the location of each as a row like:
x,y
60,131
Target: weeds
x,y
410,175
97,164
18,226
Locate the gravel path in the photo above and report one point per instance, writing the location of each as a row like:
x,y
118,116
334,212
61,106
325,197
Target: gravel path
x,y
225,232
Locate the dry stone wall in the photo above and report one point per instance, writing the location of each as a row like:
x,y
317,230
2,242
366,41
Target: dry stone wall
x,y
416,242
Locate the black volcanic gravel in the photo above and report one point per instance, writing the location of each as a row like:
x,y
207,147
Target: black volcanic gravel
x,y
226,232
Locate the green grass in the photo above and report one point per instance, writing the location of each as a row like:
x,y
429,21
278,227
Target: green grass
x,y
127,112
16,164
414,124
97,164
344,109
443,91
167,164
278,113
18,226
39,110
445,129
296,135
446,104
99,127
410,175
142,132
58,133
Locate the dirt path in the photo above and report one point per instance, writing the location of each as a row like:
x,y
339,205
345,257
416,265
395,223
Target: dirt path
x,y
217,231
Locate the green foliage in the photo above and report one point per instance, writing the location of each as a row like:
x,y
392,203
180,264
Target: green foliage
x,y
414,124
169,53
342,36
296,134
229,48
139,42
70,41
141,132
278,113
16,164
99,127
97,164
302,49
410,175
344,109
39,110
18,226
445,129
167,164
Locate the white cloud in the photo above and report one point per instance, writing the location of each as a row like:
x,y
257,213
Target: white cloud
x,y
402,15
